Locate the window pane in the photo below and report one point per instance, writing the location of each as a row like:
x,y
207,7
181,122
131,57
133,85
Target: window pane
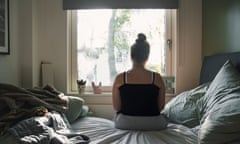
x,y
104,38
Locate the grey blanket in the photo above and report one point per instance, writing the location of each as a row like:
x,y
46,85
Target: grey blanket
x,y
18,103
50,129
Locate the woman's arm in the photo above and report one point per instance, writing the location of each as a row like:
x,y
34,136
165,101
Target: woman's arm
x,y
115,94
161,97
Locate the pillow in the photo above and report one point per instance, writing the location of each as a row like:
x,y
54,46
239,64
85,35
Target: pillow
x,y
183,108
74,110
225,82
221,112
127,122
85,111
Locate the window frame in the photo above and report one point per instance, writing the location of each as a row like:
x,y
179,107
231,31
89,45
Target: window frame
x,y
171,34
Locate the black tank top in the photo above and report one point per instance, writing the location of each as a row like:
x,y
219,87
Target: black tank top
x,y
139,99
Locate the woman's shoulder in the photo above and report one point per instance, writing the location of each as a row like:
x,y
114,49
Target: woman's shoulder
x,y
119,79
158,79
157,74
120,76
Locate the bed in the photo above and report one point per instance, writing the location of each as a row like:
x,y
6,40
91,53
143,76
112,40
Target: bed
x,y
207,114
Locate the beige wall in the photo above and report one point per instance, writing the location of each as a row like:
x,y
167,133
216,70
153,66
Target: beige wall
x,y
40,34
51,41
189,51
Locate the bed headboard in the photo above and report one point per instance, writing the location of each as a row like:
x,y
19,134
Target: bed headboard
x,y
212,64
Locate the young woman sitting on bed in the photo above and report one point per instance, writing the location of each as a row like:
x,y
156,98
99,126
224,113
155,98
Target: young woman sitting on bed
x,y
139,94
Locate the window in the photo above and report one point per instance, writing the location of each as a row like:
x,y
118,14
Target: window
x,y
101,41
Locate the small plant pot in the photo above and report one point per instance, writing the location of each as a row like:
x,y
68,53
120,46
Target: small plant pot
x,y
81,89
97,90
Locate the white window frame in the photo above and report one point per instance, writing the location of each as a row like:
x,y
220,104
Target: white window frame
x,y
170,51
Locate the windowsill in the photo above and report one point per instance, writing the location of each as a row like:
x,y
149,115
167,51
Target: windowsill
x,y
107,94
104,98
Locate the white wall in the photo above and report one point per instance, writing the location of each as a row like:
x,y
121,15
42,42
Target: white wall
x,y
39,33
9,64
26,40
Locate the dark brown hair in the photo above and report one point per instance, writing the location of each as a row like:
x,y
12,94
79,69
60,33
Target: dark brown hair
x,y
140,49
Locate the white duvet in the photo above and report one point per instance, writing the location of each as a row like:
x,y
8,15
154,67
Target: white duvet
x,y
102,131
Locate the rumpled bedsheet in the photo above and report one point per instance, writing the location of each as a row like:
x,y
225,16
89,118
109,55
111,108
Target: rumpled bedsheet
x,y
52,128
103,131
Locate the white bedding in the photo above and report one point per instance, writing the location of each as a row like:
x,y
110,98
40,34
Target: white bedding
x,y
102,131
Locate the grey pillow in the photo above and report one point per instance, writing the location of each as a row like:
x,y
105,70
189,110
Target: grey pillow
x,y
75,105
184,108
225,82
127,122
221,113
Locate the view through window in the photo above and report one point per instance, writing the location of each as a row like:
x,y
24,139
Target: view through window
x,y
104,38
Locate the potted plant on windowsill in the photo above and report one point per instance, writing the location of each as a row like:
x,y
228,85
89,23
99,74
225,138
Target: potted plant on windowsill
x,y
81,86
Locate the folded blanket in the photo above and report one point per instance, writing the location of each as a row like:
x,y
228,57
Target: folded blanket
x,y
18,103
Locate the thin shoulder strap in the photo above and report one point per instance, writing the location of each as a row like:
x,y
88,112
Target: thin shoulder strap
x,y
153,77
125,77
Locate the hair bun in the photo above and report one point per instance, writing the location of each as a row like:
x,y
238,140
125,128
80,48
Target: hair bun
x,y
141,37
